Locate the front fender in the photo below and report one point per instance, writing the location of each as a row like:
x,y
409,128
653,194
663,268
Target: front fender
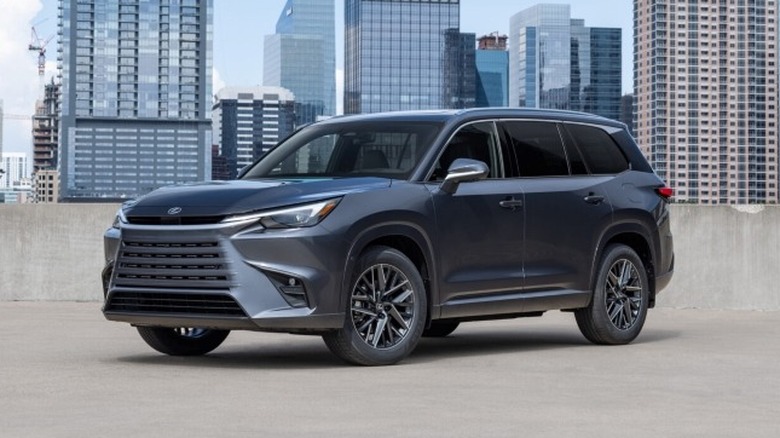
x,y
387,232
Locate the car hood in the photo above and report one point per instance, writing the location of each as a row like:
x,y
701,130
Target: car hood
x,y
219,198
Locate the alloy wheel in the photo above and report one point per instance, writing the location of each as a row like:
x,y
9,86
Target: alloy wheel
x,y
382,306
190,332
623,294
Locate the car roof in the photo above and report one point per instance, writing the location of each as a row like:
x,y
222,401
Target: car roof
x,y
474,113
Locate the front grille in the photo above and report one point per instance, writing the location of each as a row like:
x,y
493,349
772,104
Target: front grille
x,y
174,220
176,303
189,265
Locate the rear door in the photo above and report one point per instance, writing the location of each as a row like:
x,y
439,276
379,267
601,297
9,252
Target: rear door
x,y
565,208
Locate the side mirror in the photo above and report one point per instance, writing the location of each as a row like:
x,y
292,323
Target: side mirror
x,y
463,170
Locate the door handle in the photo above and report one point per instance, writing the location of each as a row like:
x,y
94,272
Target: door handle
x,y
511,203
593,199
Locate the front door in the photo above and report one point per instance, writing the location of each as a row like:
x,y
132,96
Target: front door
x,y
480,229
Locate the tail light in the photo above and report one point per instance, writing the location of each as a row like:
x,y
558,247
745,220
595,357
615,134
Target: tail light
x,y
665,192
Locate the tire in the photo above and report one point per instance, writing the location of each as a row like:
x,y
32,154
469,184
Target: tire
x,y
386,295
620,300
182,341
440,329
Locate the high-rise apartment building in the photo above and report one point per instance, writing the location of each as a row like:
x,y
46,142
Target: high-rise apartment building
x,y
247,122
14,169
301,57
557,62
393,53
706,90
45,129
136,96
492,63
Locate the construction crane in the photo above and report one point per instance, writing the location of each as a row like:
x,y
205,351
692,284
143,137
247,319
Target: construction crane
x,y
39,45
16,116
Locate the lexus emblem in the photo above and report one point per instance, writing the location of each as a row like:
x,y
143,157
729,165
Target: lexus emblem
x,y
174,210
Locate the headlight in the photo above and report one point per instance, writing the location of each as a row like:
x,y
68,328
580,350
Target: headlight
x,y
294,217
119,219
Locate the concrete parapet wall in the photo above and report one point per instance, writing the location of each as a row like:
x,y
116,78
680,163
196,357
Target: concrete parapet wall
x,y
52,251
726,258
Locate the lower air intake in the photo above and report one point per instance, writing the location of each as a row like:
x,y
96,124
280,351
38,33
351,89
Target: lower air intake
x,y
178,303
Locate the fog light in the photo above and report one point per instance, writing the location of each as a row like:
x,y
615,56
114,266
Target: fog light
x,y
291,288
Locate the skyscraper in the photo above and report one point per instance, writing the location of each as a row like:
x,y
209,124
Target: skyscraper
x,y
557,62
705,90
301,57
247,122
393,53
492,61
136,96
45,129
459,70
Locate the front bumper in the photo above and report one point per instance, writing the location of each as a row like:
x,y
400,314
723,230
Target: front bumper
x,y
224,276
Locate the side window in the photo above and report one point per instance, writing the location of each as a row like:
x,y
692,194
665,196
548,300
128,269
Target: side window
x,y
538,148
476,141
602,155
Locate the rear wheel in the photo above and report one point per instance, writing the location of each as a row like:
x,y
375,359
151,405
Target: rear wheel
x,y
618,308
440,329
182,341
385,313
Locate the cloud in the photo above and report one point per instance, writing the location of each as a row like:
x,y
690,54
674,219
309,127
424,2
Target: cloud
x,y
216,81
19,87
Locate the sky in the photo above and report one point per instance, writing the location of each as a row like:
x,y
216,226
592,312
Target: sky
x,y
239,29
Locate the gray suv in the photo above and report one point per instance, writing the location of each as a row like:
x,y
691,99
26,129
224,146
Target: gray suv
x,y
375,230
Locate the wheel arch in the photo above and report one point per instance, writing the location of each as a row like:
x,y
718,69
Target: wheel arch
x,y
408,239
637,237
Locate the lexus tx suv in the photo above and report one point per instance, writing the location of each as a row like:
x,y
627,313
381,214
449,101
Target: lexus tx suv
x,y
374,230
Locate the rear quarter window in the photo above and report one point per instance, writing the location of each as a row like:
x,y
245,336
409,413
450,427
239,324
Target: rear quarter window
x,y
601,153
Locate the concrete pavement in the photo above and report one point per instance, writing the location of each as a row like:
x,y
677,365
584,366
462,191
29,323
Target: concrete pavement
x,y
66,372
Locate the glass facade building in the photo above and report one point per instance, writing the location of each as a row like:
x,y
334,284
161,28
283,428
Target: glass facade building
x,y
705,97
492,65
459,70
136,96
557,62
247,122
602,91
393,56
301,57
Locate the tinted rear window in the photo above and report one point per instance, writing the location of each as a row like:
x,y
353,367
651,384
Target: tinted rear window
x,y
602,155
538,148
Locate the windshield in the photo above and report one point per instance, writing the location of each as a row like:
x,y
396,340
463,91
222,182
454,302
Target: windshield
x,y
386,149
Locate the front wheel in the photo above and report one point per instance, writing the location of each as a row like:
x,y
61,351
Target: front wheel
x,y
620,299
386,309
182,341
